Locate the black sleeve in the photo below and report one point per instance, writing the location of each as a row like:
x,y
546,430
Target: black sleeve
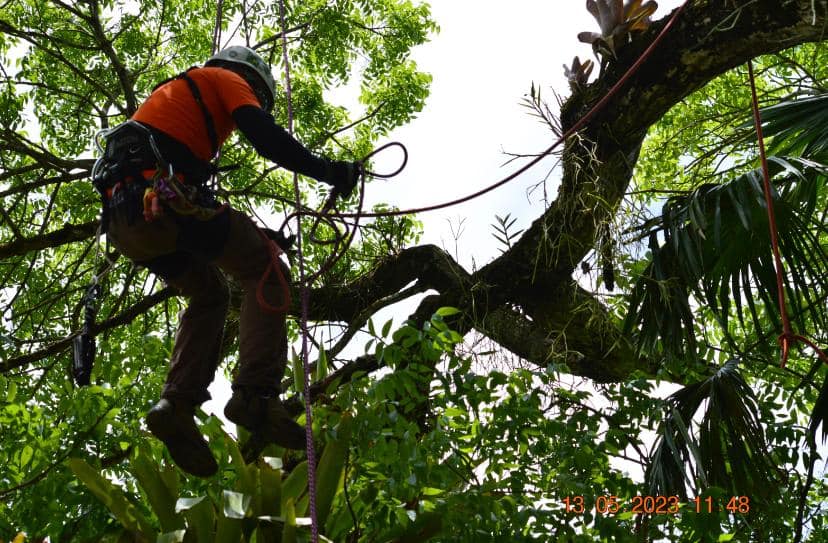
x,y
274,143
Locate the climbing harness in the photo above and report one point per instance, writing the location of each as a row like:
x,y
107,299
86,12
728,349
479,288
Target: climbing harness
x,y
788,336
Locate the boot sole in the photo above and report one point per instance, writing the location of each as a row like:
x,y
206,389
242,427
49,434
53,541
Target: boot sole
x,y
284,432
180,448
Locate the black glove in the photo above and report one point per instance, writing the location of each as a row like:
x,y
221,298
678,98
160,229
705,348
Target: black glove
x,y
343,176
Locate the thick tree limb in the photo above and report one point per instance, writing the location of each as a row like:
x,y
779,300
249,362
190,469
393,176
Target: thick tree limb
x,y
526,299
428,265
68,234
536,273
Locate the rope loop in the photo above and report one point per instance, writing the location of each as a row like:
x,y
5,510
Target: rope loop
x,y
379,150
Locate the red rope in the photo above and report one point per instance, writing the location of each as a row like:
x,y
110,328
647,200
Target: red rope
x,y
788,338
328,214
274,266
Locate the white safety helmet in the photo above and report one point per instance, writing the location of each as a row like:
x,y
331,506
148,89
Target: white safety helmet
x,y
244,56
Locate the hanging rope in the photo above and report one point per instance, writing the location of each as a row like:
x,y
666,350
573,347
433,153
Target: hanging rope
x,y
344,232
217,27
788,338
305,301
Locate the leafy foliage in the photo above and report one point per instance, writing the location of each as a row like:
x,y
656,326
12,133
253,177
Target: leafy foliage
x,y
504,232
717,248
436,432
729,451
250,501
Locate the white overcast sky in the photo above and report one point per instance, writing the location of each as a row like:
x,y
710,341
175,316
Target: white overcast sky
x,y
483,61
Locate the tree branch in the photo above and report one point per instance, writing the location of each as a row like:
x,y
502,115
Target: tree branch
x,y
68,234
58,347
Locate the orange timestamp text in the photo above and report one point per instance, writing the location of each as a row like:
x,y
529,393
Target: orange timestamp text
x,y
656,505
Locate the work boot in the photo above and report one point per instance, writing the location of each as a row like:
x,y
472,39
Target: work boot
x,y
174,424
265,418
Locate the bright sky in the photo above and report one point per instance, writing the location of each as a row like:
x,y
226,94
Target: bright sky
x,y
483,62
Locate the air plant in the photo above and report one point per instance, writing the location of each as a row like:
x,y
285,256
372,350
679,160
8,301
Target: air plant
x,y
578,74
616,20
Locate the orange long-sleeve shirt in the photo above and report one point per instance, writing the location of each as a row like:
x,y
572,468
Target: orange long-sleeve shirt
x,y
173,110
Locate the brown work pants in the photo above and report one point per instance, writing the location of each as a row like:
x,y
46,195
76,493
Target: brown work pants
x,y
190,255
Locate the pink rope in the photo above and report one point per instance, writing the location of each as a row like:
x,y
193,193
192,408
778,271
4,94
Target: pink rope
x,y
305,302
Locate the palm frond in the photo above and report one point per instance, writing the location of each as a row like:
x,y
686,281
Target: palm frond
x,y
795,127
727,450
820,414
716,248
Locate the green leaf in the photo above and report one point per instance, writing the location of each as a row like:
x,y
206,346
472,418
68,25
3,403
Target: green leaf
x,y
270,477
228,530
201,518
289,530
26,454
322,365
159,495
454,412
386,328
235,504
112,497
330,469
298,374
245,475
296,484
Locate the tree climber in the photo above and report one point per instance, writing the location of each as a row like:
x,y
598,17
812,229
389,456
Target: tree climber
x,y
159,212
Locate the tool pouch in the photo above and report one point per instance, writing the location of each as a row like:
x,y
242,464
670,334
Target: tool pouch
x,y
83,346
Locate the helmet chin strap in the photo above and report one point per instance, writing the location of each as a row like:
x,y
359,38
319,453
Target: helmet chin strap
x,y
252,79
261,93
245,58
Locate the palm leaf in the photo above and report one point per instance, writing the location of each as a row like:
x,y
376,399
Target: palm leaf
x,y
728,448
716,250
794,127
820,414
